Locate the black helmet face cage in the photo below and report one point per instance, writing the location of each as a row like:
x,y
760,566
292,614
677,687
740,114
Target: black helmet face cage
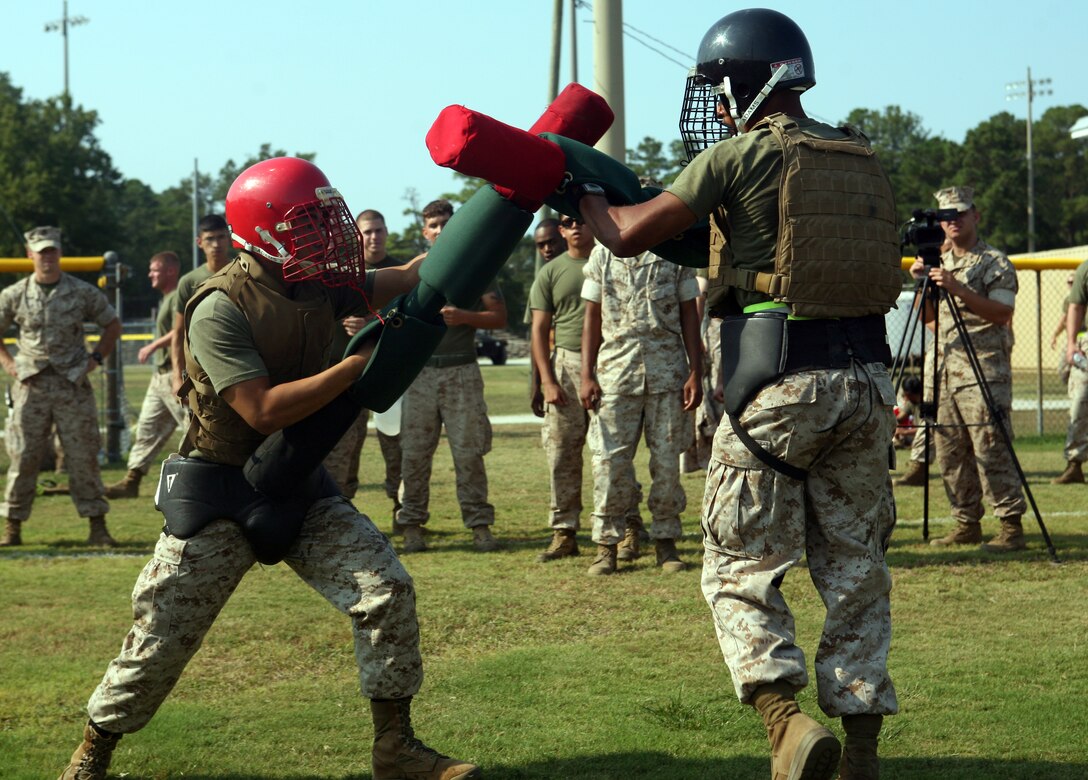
x,y
323,241
700,127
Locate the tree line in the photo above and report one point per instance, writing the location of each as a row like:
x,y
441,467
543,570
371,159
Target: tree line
x,y
54,171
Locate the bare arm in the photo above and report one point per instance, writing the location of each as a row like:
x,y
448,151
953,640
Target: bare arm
x,y
493,316
395,280
1074,323
987,308
7,361
106,342
631,230
177,350
549,383
693,345
590,392
146,351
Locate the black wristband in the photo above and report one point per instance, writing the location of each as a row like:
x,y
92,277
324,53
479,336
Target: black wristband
x,y
587,188
96,356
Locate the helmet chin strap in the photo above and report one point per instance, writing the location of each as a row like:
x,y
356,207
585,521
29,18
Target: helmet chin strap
x,y
757,101
256,250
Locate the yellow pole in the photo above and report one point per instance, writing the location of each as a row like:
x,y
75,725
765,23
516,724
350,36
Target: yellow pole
x,y
17,265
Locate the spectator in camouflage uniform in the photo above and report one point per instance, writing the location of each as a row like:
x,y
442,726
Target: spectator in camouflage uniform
x,y
971,453
52,385
1076,342
162,411
343,461
449,391
556,300
641,370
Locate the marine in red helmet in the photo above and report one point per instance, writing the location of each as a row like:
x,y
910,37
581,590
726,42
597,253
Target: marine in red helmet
x,y
258,334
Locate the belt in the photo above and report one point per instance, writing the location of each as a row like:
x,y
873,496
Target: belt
x,y
448,361
836,343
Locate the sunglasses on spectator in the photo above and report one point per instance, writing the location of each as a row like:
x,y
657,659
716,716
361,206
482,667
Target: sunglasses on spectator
x,y
569,222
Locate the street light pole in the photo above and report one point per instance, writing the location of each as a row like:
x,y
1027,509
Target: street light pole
x,y
1015,89
63,24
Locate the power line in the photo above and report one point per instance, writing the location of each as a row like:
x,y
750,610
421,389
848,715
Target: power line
x,y
658,40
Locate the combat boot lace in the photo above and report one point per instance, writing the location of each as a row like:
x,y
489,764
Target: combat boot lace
x,y
963,533
1072,475
99,536
92,757
667,556
629,548
129,487
398,754
13,536
564,544
605,562
859,759
413,539
1009,539
482,539
801,749
914,476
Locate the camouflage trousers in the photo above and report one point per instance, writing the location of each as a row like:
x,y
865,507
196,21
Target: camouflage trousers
x,y
614,432
40,402
452,396
758,523
1076,438
343,461
181,590
161,414
972,456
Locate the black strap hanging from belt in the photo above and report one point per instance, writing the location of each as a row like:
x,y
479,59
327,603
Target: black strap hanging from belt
x,y
767,458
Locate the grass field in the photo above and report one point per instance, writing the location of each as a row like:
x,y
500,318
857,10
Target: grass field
x,y
537,671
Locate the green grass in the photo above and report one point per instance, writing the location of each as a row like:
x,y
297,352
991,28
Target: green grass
x,y
537,671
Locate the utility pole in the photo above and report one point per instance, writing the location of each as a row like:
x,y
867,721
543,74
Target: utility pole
x,y
1013,90
62,25
196,216
573,41
608,72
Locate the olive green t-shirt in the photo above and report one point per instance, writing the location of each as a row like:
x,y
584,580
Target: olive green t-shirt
x,y
558,291
461,339
164,323
742,175
187,285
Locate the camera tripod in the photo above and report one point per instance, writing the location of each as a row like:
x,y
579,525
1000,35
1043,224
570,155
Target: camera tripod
x,y
926,291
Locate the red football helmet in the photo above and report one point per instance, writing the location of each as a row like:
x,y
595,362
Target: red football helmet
x,y
284,210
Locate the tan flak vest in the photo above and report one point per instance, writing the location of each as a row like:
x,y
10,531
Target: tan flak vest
x,y
837,253
292,336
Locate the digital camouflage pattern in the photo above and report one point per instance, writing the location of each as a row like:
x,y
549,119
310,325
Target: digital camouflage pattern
x,y
758,524
1076,437
339,553
641,368
453,396
40,402
52,388
971,452
160,416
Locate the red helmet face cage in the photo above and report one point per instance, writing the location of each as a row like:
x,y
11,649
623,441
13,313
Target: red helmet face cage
x,y
322,242
284,210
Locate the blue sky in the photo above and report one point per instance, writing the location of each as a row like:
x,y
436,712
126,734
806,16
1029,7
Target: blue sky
x,y
359,82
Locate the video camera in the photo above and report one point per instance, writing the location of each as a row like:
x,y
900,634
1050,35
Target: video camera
x,y
925,234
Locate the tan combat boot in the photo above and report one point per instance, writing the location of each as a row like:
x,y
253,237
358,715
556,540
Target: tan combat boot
x,y
667,557
92,757
99,536
963,533
1072,474
1010,538
413,539
605,562
564,544
13,536
801,749
482,539
398,754
129,487
914,476
628,549
859,760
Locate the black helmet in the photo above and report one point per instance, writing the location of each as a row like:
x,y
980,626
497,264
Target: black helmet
x,y
740,56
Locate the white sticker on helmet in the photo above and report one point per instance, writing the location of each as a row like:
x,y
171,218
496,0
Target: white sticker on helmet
x,y
795,68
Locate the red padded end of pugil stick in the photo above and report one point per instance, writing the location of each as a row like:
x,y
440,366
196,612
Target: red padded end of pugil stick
x,y
576,113
477,145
